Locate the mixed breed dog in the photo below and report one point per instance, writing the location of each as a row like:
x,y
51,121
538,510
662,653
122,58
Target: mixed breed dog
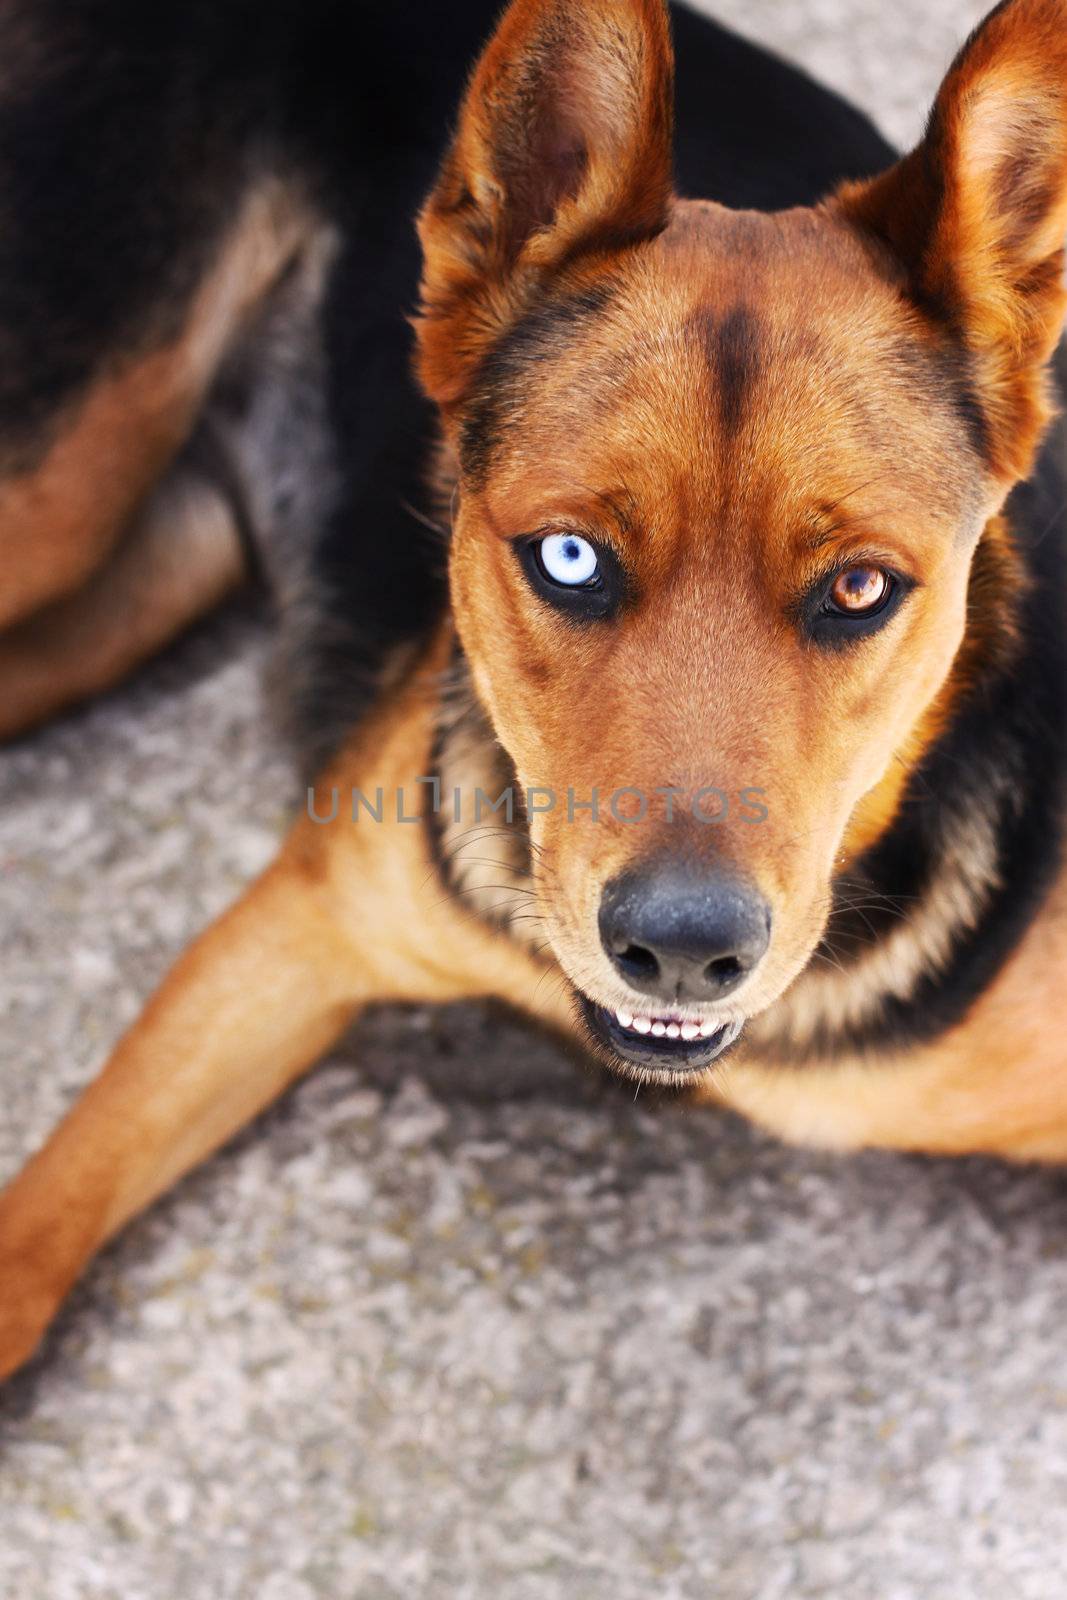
x,y
662,436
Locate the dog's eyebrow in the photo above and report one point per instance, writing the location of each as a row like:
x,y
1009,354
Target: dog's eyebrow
x,y
733,344
621,504
827,521
824,536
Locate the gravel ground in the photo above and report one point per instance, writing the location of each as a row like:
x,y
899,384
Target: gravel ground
x,y
459,1319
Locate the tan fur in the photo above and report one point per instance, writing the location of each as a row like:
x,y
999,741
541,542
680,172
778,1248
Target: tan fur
x,y
691,524
568,120
178,558
723,498
994,1085
61,518
980,228
349,913
845,444
266,990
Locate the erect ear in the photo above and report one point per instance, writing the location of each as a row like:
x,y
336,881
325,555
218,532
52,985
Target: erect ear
x,y
977,214
563,150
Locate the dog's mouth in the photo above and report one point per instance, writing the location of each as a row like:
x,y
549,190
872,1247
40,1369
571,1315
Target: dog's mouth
x,y
656,1045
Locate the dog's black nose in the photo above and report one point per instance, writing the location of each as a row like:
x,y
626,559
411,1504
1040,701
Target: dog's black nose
x,y
683,935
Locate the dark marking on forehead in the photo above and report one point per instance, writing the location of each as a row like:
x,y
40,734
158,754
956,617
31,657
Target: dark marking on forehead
x,y
543,333
734,344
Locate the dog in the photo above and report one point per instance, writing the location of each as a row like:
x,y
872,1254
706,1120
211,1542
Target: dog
x,y
692,633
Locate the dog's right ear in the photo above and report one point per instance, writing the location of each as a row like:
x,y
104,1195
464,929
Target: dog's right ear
x,y
563,151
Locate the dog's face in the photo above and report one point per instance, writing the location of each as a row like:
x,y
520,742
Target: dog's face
x,y
722,478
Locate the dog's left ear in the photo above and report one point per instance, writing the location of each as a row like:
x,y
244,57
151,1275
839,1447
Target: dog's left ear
x,y
563,151
977,215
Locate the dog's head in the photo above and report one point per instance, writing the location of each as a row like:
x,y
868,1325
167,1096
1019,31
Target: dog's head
x,y
722,477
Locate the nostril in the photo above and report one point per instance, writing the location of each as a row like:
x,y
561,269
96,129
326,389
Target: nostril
x,y
724,970
637,962
682,935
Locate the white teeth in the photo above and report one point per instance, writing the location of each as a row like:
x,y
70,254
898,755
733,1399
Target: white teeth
x,y
667,1030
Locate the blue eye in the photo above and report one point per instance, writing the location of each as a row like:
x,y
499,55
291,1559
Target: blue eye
x,y
583,580
569,560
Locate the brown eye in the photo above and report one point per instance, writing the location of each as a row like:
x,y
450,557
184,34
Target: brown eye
x,y
859,590
851,605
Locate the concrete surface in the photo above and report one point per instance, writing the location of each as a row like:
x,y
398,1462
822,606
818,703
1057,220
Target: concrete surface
x,y
459,1319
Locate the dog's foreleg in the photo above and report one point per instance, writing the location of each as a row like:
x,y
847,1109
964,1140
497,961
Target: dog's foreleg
x,y
247,1008
351,913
